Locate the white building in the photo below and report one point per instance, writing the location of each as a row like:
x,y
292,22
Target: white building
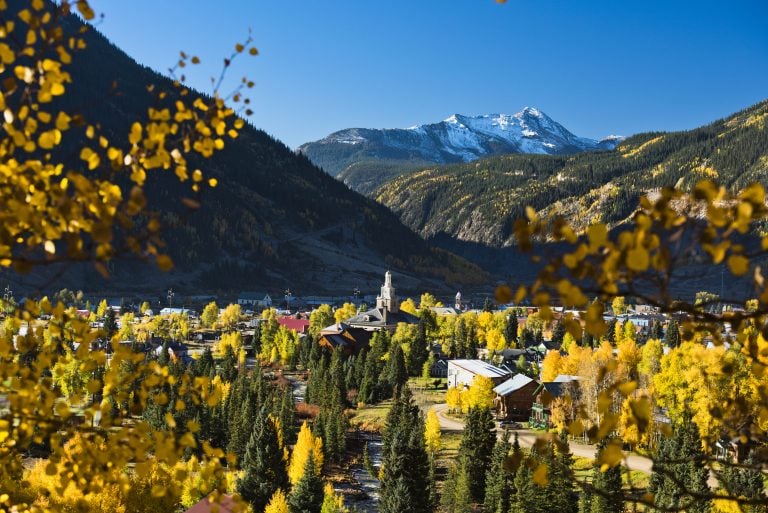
x,y
254,299
462,373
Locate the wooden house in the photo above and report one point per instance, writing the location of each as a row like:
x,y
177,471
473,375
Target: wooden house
x,y
514,398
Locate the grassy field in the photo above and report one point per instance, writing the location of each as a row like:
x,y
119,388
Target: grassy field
x,y
371,417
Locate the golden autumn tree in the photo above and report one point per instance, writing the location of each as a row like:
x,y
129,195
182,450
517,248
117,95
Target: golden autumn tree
x,y
344,312
306,444
278,503
551,366
478,395
432,433
72,192
453,398
717,376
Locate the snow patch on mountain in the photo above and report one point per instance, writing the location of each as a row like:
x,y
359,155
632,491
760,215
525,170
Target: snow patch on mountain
x,y
457,138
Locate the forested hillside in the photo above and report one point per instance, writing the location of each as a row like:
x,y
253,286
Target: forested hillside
x,y
477,202
274,220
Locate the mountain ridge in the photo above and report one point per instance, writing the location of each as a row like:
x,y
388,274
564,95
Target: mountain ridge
x,y
457,138
275,220
478,202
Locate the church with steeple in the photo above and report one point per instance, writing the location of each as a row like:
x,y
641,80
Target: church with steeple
x,y
386,315
353,334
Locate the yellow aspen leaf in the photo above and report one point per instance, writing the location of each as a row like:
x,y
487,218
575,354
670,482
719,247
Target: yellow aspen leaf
x,y
85,10
62,121
540,475
49,139
637,259
253,51
627,388
598,235
135,136
164,263
212,182
503,294
610,456
6,54
738,264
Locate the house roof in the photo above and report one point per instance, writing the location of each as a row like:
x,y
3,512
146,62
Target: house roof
x,y
444,310
566,378
479,367
513,384
374,318
299,325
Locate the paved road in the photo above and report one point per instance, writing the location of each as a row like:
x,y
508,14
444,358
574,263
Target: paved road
x,y
527,438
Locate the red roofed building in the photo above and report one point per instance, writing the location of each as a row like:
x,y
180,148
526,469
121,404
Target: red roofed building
x,y
292,323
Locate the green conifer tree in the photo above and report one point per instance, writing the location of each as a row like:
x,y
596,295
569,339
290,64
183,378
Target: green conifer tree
x,y
307,495
263,466
404,458
679,469
498,480
477,444
672,334
607,496
418,353
455,496
510,329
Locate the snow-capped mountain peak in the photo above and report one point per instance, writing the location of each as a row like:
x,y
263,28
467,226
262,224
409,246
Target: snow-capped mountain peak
x,y
457,138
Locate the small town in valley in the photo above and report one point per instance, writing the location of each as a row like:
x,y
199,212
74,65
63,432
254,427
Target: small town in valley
x,y
498,256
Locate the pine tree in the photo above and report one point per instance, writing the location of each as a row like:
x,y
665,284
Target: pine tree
x,y
558,333
672,335
307,494
287,415
680,459
607,496
418,353
560,492
205,365
229,366
498,480
528,495
477,444
455,495
110,322
744,482
405,462
510,329
263,465
397,373
398,498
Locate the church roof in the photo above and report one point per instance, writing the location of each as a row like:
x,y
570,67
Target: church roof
x,y
374,318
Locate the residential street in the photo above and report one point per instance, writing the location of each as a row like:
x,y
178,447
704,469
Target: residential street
x,y
528,437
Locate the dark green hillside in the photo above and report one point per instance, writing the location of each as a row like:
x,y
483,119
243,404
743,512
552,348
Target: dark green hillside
x,y
274,221
368,175
478,201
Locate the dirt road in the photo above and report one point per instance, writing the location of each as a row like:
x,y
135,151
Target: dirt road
x,y
527,438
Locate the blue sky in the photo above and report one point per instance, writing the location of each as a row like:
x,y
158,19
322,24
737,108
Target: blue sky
x,y
597,67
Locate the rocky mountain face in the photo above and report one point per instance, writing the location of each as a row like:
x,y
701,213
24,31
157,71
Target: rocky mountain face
x,y
362,155
477,202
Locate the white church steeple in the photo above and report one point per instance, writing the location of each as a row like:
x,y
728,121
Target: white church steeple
x,y
387,299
